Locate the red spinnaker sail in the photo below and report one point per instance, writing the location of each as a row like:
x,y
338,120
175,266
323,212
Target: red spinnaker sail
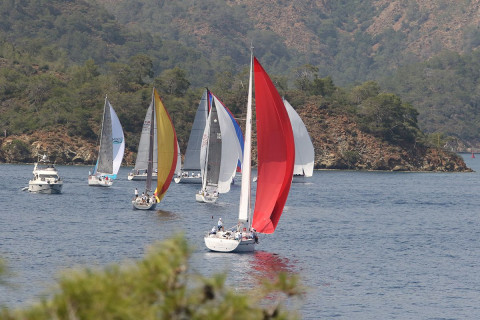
x,y
276,153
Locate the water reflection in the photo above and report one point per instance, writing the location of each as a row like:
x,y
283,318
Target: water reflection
x,y
268,265
249,270
166,215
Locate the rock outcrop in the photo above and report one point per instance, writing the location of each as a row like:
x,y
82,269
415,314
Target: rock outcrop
x,y
338,142
57,144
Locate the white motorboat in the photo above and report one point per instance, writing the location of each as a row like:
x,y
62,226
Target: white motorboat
x,y
45,178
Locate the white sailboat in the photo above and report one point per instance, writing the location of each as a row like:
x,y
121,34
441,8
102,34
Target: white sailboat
x,y
219,154
112,147
276,158
167,152
139,172
191,171
45,178
304,151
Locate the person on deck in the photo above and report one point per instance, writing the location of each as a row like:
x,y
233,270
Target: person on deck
x,y
220,224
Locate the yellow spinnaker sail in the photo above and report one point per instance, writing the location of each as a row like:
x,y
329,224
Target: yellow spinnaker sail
x,y
166,146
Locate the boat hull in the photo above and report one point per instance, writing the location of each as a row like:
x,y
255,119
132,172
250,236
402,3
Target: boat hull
x,y
188,180
299,178
143,205
205,199
140,177
222,243
47,188
95,181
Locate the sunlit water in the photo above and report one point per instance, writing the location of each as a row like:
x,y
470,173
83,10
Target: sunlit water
x,y
368,245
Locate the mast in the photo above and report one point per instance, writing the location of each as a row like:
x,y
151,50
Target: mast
x,y
148,185
204,150
244,210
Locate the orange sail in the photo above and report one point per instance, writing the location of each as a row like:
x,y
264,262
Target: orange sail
x,y
276,153
166,146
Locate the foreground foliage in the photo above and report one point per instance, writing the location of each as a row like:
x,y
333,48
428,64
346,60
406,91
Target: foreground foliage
x,y
159,287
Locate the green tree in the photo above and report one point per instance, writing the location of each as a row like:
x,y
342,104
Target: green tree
x,y
159,287
386,116
141,68
173,81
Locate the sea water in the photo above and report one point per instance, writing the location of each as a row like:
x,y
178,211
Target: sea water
x,y
366,245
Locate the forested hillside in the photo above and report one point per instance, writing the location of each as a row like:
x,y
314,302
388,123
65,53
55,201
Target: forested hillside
x,y
58,60
351,41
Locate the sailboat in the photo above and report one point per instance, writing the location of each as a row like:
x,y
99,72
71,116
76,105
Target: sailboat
x,y
167,153
191,171
112,147
276,159
220,152
304,152
140,170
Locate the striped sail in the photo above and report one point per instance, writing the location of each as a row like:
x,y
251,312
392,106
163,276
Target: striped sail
x,y
166,147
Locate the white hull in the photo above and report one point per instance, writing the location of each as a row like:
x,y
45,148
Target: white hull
x,y
200,197
139,205
299,178
95,181
225,242
188,180
47,188
45,178
140,177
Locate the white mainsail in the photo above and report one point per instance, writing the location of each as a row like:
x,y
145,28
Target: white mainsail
x,y
192,155
141,162
244,212
304,152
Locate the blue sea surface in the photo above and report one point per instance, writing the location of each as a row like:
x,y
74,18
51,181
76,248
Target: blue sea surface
x,y
367,245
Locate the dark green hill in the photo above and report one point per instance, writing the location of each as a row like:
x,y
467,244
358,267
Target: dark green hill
x,y
59,58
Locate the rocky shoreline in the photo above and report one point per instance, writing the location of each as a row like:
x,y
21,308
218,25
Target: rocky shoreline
x,y
339,144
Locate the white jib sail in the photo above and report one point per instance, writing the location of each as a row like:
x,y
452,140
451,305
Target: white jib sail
x,y
244,208
231,149
304,152
118,141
